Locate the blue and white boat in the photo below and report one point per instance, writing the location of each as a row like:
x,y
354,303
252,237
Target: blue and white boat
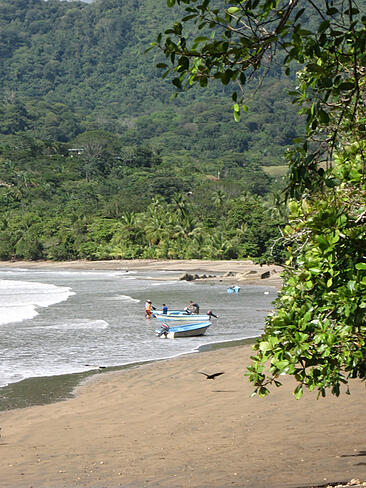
x,y
183,330
184,318
233,289
157,313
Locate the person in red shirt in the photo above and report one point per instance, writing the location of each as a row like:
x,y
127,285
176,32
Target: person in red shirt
x,y
149,309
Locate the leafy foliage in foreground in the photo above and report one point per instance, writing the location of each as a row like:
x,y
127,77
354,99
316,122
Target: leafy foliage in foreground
x,y
318,333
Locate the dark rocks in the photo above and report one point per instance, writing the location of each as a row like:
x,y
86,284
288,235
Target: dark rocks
x,y
191,277
186,277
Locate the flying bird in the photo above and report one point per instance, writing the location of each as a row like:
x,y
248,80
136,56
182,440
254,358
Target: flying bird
x,y
211,376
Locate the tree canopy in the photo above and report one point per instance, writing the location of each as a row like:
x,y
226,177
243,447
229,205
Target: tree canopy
x,y
71,67
318,332
91,147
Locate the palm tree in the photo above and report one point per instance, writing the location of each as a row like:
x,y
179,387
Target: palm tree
x,y
218,246
218,198
275,206
180,203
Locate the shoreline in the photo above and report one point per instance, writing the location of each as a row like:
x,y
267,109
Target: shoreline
x,y
227,271
164,425
45,390
50,389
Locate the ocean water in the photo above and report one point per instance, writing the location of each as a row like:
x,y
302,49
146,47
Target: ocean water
x,y
63,321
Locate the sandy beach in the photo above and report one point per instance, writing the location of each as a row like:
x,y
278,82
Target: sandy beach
x,y
240,272
164,425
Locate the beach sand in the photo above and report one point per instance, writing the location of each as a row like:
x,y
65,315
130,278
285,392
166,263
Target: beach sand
x,y
163,424
238,272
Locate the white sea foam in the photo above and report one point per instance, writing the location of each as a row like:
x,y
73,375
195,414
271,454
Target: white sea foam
x,y
19,300
78,324
163,283
69,273
124,298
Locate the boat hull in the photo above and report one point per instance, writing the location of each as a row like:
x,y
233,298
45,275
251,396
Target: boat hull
x,y
185,330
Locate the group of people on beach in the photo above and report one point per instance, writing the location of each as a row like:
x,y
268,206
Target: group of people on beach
x,y
192,308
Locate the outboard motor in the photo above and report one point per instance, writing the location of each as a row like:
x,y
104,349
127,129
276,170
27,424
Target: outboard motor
x,y
164,330
211,314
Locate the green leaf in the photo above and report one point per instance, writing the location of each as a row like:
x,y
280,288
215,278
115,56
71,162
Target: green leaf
x,y
323,243
361,266
323,116
347,85
177,82
299,14
332,182
351,285
233,10
264,346
323,26
281,364
183,63
315,68
263,391
315,270
236,116
298,392
200,39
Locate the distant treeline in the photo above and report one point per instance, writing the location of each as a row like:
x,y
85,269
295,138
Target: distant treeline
x,y
103,200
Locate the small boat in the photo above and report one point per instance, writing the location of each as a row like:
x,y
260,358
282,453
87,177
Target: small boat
x,y
233,289
183,330
170,312
183,318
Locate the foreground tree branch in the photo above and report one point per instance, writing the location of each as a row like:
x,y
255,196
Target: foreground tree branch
x,y
318,332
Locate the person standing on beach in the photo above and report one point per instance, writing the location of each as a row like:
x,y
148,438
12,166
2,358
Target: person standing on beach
x,y
194,307
148,309
164,309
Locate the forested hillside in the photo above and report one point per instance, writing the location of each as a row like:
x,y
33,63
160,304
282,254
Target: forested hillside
x,y
96,162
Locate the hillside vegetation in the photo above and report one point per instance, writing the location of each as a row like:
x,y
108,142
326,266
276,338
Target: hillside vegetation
x,y
97,163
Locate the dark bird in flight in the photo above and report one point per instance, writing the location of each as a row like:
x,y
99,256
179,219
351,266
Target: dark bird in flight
x,y
211,376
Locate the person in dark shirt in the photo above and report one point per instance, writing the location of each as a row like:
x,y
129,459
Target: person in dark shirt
x,y
194,307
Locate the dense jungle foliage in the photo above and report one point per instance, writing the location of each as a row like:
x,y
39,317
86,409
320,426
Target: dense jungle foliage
x,y
96,163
